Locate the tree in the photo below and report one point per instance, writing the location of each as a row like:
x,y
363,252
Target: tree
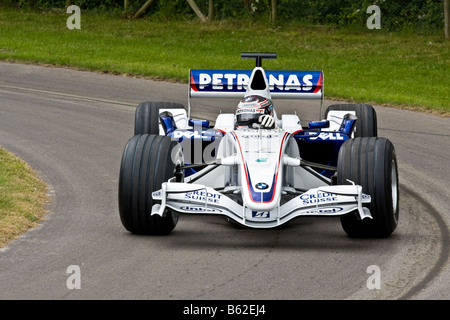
x,y
274,11
142,10
447,19
211,11
197,11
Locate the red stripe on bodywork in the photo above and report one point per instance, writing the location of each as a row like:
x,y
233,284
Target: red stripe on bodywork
x,y
319,84
246,171
193,84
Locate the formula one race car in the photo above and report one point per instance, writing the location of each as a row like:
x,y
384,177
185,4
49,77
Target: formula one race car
x,y
256,176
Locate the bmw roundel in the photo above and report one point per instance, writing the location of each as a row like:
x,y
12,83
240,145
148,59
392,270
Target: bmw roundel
x,y
261,186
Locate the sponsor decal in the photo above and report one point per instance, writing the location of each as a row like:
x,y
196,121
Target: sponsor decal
x,y
237,80
326,210
249,110
220,80
261,186
257,135
156,193
200,209
262,159
178,134
318,198
202,196
261,214
326,136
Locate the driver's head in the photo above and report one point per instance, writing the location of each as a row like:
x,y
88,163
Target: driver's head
x,y
251,108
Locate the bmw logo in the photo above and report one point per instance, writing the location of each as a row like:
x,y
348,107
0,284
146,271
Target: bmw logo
x,y
261,186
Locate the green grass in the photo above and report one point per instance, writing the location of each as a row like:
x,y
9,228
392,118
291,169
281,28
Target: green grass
x,y
362,66
22,197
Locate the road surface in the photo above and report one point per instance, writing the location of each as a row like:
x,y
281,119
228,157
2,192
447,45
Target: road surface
x,y
72,126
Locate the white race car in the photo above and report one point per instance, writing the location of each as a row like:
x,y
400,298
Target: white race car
x,y
258,177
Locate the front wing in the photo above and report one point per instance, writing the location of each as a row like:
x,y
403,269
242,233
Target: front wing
x,y
325,201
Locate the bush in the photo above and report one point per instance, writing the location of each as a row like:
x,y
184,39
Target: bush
x,y
411,15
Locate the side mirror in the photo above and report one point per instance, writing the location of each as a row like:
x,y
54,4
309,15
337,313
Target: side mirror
x,y
198,123
318,124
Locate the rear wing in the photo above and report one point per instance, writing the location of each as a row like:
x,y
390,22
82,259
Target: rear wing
x,y
209,83
206,83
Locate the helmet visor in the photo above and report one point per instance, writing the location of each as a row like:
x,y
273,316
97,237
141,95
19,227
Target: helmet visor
x,y
245,117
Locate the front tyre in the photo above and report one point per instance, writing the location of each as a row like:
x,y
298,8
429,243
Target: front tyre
x,y
146,164
147,116
372,164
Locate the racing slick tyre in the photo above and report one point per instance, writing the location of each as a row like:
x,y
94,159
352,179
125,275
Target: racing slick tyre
x,y
146,164
366,125
371,163
147,116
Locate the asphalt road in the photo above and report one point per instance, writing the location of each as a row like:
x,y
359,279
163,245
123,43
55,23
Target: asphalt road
x,y
72,126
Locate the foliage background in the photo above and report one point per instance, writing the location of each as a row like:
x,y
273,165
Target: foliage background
x,y
422,16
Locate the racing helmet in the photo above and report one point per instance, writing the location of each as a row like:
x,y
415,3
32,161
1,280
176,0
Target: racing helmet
x,y
251,108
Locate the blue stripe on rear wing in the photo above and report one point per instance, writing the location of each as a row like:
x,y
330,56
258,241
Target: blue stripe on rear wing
x,y
208,83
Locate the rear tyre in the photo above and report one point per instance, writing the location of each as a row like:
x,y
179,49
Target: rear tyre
x,y
371,163
146,164
147,116
366,125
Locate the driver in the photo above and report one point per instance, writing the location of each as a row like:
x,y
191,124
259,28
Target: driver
x,y
255,109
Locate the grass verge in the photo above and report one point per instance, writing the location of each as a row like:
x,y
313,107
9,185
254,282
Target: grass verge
x,y
363,66
22,197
